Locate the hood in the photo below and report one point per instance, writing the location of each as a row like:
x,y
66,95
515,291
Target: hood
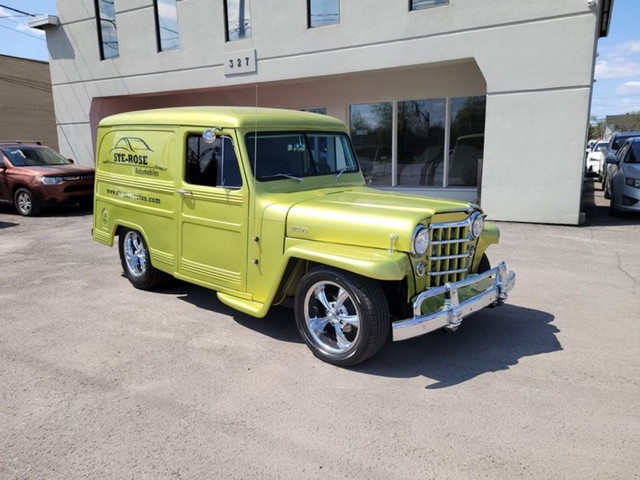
x,y
367,217
57,170
631,170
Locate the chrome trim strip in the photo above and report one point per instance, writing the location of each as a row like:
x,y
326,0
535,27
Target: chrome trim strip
x,y
462,223
451,257
447,272
452,241
450,316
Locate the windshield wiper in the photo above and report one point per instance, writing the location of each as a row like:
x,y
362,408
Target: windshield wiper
x,y
345,169
282,175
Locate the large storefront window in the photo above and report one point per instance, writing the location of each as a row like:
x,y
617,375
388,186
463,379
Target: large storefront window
x,y
371,126
421,142
428,152
466,140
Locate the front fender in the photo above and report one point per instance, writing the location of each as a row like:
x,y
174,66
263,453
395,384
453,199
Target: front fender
x,y
490,235
368,262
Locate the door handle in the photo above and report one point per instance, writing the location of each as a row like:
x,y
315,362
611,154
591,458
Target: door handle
x,y
184,192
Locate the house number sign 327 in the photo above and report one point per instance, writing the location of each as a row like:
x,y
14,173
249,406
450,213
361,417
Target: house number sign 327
x,y
236,63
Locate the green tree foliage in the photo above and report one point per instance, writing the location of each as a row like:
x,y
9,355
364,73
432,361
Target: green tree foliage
x,y
626,123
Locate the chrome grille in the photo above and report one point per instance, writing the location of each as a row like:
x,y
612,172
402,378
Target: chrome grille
x,y
450,252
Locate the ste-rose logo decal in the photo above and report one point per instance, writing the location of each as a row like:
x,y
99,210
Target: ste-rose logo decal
x,y
134,151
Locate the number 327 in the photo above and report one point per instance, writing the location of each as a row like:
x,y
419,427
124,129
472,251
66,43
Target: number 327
x,y
238,62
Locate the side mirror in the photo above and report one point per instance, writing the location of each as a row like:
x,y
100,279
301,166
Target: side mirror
x,y
611,160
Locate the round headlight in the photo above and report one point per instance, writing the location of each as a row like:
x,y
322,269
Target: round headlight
x,y
476,226
420,241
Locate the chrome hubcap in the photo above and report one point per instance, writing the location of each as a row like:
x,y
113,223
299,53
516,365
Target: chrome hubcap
x,y
332,317
135,254
24,202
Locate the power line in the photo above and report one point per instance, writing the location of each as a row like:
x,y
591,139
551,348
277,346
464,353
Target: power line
x,y
16,10
23,33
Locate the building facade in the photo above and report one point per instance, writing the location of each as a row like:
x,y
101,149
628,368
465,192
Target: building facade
x,y
483,101
26,102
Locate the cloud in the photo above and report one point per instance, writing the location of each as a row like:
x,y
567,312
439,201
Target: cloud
x,y
31,31
619,61
632,46
629,88
616,69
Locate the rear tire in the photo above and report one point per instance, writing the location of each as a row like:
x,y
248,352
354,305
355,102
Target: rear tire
x,y
25,203
136,261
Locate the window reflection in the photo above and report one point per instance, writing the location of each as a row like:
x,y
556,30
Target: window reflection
x,y
371,126
323,12
238,19
167,24
420,4
467,140
421,142
107,32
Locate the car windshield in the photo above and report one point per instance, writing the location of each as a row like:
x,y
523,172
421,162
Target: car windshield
x,y
602,147
33,156
295,155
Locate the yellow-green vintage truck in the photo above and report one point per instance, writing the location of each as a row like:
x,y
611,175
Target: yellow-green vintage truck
x,y
269,207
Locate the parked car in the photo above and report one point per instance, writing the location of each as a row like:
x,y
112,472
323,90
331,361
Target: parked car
x,y
624,177
270,207
596,157
615,142
33,176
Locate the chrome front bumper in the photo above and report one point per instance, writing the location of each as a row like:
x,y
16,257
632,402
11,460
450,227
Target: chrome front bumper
x,y
450,315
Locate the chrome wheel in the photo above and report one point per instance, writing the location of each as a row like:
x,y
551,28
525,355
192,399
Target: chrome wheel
x,y
135,253
332,317
342,317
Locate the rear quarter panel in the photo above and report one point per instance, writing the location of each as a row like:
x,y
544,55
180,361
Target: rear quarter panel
x,y
136,171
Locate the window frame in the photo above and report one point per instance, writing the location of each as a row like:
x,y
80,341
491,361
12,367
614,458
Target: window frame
x,y
310,26
101,42
156,12
226,24
426,7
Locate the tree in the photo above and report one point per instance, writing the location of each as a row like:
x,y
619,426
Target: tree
x,y
625,123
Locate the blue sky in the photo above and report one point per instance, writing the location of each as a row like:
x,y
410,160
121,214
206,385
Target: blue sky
x,y
616,91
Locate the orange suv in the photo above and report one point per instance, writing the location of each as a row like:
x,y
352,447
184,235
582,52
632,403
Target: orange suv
x,y
33,176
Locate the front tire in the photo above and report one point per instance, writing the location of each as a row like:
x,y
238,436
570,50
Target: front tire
x,y
342,317
612,206
136,262
25,203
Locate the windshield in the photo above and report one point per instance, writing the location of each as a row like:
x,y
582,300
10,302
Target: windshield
x,y
602,147
620,139
295,155
33,156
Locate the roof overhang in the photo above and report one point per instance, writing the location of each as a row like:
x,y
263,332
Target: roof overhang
x,y
604,19
43,21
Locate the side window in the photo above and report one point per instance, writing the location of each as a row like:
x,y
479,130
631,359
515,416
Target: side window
x,y
212,165
623,151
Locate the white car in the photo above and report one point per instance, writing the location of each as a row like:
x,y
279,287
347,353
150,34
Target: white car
x,y
596,157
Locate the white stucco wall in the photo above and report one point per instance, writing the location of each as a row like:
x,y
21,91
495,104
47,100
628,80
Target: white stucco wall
x,y
534,61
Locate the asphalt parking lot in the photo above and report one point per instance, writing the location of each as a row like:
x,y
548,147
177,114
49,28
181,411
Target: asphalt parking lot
x,y
102,381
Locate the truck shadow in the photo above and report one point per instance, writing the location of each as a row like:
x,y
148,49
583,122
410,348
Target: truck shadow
x,y
490,341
